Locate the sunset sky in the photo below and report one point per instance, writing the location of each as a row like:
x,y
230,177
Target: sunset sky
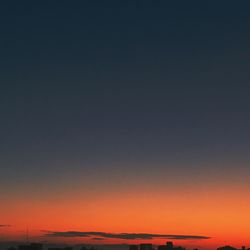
x,y
125,117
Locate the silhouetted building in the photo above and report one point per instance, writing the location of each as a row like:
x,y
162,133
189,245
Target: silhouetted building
x,y
23,247
36,246
32,246
133,247
146,246
60,248
169,246
86,248
227,248
162,247
179,248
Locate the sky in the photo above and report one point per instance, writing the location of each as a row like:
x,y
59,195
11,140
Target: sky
x,y
125,117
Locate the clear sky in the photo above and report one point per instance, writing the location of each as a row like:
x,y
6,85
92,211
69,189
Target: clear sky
x,y
125,117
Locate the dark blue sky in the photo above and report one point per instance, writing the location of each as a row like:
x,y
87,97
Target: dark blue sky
x,y
123,87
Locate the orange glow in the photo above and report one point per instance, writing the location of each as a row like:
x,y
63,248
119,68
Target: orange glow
x,y
216,213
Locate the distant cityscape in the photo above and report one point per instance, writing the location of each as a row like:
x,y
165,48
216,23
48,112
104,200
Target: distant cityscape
x,y
145,246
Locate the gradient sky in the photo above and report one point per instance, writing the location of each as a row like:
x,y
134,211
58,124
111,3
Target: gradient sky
x,y
125,117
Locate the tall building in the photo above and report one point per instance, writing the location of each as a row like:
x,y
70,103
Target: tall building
x,y
147,246
169,246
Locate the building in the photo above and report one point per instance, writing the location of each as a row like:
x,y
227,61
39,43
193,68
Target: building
x,y
169,246
60,248
227,248
133,247
146,246
32,246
